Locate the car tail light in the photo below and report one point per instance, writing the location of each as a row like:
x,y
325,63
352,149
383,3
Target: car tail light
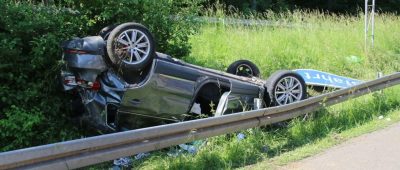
x,y
89,85
70,51
96,86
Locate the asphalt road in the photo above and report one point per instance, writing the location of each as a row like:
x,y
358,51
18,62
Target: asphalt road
x,y
379,150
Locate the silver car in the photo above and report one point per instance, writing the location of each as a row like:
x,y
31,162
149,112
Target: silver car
x,y
122,83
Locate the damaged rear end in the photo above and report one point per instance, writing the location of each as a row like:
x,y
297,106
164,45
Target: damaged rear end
x,y
86,74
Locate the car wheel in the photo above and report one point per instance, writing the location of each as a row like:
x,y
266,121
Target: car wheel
x,y
130,46
285,87
244,68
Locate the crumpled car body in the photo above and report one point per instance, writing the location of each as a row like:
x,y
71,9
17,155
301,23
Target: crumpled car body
x,y
165,94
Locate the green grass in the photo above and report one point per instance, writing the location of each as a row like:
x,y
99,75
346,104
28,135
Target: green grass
x,y
273,146
319,41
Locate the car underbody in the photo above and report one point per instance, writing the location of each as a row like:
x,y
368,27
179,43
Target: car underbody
x,y
192,91
122,83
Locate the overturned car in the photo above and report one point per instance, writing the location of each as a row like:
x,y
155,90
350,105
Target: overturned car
x,y
122,83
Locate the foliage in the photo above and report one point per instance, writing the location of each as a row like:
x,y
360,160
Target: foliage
x,y
334,6
29,52
30,37
22,128
20,123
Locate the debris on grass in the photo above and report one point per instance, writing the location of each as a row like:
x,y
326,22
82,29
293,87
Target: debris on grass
x,y
191,148
240,136
265,149
122,162
142,155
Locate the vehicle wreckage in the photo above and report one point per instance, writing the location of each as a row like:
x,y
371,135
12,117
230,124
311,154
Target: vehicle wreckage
x,y
122,83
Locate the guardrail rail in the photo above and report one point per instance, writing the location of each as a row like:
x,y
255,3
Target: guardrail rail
x,y
88,151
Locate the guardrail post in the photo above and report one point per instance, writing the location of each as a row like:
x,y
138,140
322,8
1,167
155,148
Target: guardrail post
x,y
379,75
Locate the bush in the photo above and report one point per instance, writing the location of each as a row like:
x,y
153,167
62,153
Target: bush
x,y
22,128
32,109
18,127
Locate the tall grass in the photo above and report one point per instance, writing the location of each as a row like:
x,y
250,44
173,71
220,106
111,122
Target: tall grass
x,y
300,40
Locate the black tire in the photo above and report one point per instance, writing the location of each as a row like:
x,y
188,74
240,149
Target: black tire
x,y
122,52
105,32
298,93
244,68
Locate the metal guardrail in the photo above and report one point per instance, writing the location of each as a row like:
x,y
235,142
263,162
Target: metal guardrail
x,y
88,151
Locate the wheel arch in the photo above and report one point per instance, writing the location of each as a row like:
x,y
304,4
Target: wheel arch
x,y
222,85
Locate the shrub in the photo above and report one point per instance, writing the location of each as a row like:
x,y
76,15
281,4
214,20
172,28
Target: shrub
x,y
32,109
